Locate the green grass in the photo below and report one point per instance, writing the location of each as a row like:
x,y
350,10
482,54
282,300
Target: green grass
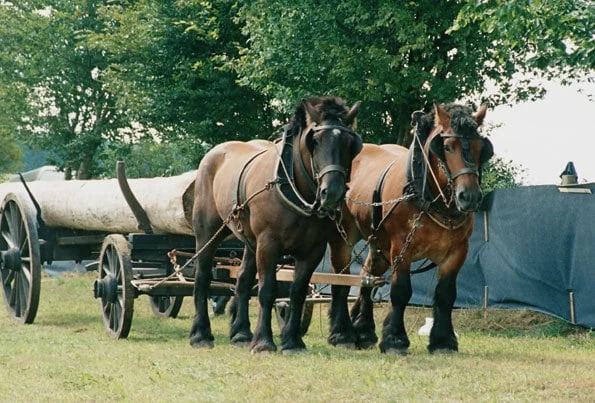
x,y
67,356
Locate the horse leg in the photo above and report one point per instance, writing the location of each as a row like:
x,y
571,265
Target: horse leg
x,y
291,335
240,333
209,233
362,312
200,332
362,315
266,263
442,335
342,333
394,335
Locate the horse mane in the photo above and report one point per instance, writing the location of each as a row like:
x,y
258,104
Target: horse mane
x,y
329,108
461,121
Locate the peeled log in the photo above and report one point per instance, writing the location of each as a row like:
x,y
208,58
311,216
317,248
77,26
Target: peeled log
x,y
98,205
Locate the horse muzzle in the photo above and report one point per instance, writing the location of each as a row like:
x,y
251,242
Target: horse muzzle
x,y
468,200
331,189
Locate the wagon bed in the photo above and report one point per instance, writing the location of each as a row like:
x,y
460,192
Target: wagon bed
x,y
132,237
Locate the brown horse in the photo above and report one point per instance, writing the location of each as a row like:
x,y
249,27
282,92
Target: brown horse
x,y
279,198
410,205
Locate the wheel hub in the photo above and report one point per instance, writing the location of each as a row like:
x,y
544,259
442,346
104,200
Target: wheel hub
x,y
106,288
11,259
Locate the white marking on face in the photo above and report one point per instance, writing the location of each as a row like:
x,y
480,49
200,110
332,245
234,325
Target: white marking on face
x,y
336,132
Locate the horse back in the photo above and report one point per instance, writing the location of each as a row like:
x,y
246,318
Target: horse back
x,y
220,170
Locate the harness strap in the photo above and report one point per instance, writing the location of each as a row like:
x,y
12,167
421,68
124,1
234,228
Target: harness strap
x,y
377,217
330,168
242,201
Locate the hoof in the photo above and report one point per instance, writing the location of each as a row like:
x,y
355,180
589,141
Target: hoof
x,y
366,345
263,348
339,339
394,345
241,339
397,351
202,343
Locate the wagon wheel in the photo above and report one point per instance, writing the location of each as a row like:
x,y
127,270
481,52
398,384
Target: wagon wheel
x,y
282,308
114,286
165,306
20,261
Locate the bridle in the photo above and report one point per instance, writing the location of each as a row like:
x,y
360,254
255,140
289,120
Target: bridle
x,y
471,167
331,167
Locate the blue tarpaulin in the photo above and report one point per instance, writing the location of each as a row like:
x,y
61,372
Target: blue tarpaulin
x,y
532,247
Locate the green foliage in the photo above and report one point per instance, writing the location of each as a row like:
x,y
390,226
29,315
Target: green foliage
x,y
396,58
501,174
83,78
56,102
146,159
399,57
532,38
167,65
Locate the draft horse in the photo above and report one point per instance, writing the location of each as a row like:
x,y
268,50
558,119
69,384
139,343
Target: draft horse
x,y
279,199
411,204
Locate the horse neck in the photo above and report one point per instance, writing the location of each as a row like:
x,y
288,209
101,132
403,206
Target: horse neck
x,y
302,168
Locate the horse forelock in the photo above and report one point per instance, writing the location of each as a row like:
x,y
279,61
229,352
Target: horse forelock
x,y
330,108
461,120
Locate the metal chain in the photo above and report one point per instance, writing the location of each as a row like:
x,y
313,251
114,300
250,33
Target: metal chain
x,y
399,259
381,203
232,215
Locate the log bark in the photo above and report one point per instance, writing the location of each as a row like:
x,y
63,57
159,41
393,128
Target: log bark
x,y
98,205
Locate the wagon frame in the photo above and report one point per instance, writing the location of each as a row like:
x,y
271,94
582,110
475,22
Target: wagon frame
x,y
128,264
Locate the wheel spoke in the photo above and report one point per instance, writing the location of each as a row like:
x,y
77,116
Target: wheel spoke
x,y
9,279
7,236
13,295
27,273
24,293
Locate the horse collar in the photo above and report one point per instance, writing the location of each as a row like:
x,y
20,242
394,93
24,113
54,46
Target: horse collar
x,y
285,178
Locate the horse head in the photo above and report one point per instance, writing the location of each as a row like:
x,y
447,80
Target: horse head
x,y
331,145
460,151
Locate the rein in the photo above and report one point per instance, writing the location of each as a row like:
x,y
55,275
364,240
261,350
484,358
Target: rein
x,y
286,187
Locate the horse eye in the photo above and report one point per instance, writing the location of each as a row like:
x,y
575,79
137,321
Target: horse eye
x,y
448,148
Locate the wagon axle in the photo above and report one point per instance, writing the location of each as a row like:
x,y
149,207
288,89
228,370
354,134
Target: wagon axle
x,y
11,259
106,288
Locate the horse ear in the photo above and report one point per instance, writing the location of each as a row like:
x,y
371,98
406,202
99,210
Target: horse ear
x,y
352,115
480,114
487,151
442,117
312,114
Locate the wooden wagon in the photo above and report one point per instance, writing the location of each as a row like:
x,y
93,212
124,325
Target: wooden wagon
x,y
138,235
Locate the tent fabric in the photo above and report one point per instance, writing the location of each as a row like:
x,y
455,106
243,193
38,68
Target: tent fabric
x,y
533,247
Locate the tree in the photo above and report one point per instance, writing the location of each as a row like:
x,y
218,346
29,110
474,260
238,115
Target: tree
x,y
400,56
168,66
93,76
499,174
56,102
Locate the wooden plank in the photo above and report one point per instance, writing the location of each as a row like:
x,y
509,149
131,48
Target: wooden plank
x,y
286,273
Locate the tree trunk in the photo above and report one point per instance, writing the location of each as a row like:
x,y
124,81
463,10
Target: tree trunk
x,y
98,205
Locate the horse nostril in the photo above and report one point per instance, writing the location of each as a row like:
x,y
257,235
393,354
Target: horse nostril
x,y
464,196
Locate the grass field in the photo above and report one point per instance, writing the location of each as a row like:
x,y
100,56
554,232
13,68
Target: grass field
x,y
66,356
